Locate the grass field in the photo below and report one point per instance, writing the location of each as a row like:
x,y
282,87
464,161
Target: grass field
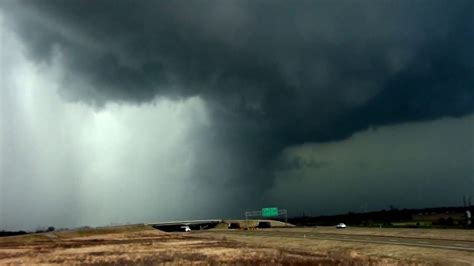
x,y
145,245
375,253
448,234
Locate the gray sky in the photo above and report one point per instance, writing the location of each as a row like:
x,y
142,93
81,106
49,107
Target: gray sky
x,y
158,111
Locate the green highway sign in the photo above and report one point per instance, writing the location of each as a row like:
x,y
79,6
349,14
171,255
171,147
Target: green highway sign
x,y
269,212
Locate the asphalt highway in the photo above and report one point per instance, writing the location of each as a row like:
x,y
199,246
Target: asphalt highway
x,y
461,245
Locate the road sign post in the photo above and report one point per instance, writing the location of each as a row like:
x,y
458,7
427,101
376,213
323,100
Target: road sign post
x,y
266,213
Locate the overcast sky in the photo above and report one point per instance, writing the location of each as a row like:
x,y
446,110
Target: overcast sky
x,y
121,111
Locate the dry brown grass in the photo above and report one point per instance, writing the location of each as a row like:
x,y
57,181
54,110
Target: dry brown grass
x,y
141,244
145,245
447,234
374,253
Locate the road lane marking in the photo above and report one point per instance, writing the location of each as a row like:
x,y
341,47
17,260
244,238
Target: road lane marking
x,y
461,245
422,242
393,240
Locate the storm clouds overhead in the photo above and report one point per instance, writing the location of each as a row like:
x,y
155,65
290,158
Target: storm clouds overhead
x,y
126,111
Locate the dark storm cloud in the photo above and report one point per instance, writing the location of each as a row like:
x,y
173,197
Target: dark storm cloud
x,y
274,73
298,163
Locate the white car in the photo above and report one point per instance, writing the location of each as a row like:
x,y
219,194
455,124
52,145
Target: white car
x,y
185,228
341,225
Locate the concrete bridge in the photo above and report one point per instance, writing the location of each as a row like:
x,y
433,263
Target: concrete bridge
x,y
193,224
